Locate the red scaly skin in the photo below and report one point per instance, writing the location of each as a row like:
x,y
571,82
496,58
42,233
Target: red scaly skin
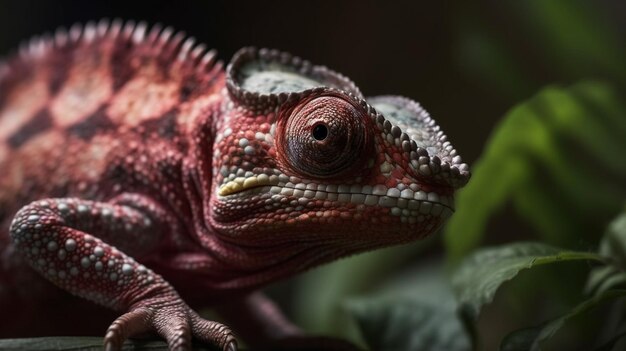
x,y
138,175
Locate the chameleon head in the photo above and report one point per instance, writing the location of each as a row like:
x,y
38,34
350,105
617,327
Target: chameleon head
x,y
303,161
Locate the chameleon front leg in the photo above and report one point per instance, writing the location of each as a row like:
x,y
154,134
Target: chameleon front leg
x,y
261,323
68,242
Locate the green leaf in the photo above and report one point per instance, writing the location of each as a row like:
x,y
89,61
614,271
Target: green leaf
x,y
604,278
408,325
531,338
480,275
545,158
417,312
613,243
319,310
613,247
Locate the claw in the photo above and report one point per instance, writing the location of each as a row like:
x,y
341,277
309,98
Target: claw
x,y
213,332
125,326
108,346
174,327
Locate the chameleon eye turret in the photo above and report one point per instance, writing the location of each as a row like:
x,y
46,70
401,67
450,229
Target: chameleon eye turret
x,y
263,78
139,175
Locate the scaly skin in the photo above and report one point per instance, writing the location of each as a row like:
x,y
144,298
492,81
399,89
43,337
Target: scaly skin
x,y
137,174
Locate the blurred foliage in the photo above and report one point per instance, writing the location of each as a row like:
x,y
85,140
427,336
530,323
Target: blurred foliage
x,y
545,158
416,311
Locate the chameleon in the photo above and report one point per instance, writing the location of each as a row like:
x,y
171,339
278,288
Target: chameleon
x,y
142,181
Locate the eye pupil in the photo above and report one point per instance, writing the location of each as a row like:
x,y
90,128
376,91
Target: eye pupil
x,y
320,132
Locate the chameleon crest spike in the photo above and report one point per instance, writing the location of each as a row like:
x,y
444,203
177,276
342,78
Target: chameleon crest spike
x,y
140,175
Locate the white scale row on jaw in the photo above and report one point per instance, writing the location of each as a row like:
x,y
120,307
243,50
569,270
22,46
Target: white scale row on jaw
x,y
399,206
402,191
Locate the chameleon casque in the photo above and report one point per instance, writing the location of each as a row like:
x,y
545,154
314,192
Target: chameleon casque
x,y
138,175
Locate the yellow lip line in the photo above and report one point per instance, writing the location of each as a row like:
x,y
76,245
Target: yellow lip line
x,y
240,184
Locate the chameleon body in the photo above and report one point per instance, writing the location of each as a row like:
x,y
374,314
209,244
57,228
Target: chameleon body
x,y
139,175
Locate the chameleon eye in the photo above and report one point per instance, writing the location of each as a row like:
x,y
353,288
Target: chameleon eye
x,y
325,137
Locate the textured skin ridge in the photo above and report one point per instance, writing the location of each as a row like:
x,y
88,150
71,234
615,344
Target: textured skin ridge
x,y
139,175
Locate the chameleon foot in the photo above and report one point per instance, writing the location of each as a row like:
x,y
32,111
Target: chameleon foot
x,y
176,323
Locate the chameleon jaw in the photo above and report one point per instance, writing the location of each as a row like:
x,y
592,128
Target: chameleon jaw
x,y
408,203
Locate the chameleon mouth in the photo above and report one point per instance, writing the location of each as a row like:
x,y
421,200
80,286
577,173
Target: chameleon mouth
x,y
401,203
